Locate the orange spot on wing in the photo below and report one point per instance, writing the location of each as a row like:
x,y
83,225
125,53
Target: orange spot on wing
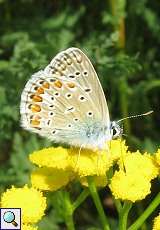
x,y
46,85
35,122
40,90
36,117
71,85
35,108
58,84
36,98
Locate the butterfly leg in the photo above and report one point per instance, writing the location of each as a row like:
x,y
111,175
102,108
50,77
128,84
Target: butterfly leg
x,y
108,147
79,153
122,156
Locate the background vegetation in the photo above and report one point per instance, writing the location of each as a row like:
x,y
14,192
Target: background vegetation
x,y
122,39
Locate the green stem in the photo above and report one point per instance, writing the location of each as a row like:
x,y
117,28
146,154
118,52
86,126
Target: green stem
x,y
118,205
80,199
118,11
68,212
152,206
140,210
123,217
97,202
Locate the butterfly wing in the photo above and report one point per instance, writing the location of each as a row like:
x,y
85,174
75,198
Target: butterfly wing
x,y
65,102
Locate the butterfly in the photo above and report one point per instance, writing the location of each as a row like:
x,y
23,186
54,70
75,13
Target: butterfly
x,y
65,102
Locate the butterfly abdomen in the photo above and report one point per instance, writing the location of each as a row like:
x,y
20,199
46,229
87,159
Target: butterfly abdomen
x,y
92,134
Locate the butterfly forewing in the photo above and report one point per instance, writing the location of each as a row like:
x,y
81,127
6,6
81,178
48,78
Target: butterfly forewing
x,y
65,102
74,66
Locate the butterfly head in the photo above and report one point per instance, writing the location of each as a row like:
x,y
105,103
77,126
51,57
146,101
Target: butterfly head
x,y
116,130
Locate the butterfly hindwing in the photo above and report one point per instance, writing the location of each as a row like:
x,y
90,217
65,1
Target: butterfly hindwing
x,y
65,101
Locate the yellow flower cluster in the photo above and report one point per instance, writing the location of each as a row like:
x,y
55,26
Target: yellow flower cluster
x,y
129,186
31,201
158,157
144,164
156,224
133,180
58,166
28,227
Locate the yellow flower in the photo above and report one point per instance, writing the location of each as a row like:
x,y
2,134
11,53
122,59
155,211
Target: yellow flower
x,y
100,181
117,148
142,164
89,162
129,186
31,201
28,227
49,178
51,157
158,157
156,224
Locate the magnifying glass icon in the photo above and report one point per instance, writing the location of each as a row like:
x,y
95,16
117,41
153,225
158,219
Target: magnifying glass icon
x,y
9,217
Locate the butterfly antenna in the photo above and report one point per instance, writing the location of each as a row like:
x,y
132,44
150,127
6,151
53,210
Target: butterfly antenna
x,y
135,116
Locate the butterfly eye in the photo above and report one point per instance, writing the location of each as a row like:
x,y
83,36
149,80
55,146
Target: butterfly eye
x,y
54,131
69,126
52,98
114,132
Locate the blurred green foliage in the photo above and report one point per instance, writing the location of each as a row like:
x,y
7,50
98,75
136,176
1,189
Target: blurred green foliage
x,y
33,32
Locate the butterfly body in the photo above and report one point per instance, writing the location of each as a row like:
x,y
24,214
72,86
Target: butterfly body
x,y
65,102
